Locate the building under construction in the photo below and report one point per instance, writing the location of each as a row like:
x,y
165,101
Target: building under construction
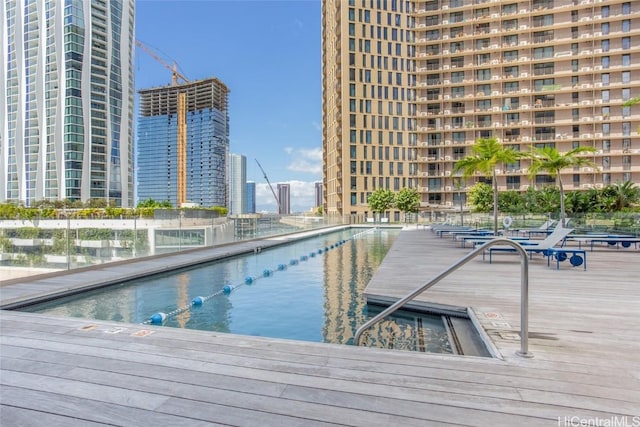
x,y
183,143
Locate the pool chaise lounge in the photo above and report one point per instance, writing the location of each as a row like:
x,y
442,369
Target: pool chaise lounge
x,y
481,240
625,242
548,248
545,228
611,239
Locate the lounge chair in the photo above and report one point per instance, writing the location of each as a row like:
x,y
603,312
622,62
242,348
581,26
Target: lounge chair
x,y
617,241
547,248
545,228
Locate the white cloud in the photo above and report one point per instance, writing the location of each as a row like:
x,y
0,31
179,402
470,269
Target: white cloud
x,y
316,125
308,160
303,196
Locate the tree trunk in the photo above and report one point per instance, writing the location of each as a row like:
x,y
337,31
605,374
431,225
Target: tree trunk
x,y
561,201
495,203
461,209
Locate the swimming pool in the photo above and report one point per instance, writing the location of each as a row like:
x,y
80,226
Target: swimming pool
x,y
311,290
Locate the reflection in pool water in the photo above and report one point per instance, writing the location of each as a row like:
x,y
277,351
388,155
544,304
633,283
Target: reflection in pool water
x,y
319,298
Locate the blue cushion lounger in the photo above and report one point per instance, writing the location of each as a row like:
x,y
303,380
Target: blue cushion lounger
x,y
625,242
558,235
578,256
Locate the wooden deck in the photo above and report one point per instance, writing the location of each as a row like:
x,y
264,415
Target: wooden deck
x,y
584,335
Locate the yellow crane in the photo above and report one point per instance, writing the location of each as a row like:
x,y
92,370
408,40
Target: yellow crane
x,y
182,122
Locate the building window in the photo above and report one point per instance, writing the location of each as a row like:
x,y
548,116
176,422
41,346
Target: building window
x,y
513,182
483,104
543,84
626,43
456,17
511,40
510,72
510,24
484,74
510,9
545,68
542,20
510,56
457,77
484,89
543,36
626,26
457,92
483,58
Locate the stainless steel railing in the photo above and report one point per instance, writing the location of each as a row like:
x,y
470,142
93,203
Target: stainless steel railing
x,y
524,292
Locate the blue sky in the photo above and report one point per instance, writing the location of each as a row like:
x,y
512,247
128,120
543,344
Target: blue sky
x,y
269,55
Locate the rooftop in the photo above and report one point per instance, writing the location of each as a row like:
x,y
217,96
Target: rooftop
x,y
583,326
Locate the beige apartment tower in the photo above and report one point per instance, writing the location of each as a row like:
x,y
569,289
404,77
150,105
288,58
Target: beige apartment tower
x,y
408,86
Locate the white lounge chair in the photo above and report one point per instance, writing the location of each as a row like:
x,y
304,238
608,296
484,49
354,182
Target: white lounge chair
x,y
543,229
535,246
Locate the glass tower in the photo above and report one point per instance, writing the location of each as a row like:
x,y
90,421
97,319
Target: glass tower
x,y
66,100
237,184
284,198
251,197
206,146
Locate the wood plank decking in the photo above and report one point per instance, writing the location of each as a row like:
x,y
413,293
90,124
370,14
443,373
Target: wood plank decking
x,y
584,334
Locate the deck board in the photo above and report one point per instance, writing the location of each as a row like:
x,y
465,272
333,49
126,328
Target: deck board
x,y
584,335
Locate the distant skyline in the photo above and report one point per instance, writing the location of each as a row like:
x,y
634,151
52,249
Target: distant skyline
x,y
268,54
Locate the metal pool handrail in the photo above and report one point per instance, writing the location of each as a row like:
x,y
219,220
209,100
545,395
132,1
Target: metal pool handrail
x,y
524,293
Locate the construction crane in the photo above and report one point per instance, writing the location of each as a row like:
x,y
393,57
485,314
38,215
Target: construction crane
x,y
270,186
182,122
175,74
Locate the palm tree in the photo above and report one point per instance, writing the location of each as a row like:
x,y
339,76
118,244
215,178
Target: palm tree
x,y
552,161
486,154
623,194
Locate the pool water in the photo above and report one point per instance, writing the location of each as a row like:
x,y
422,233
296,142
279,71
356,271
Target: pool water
x,y
313,291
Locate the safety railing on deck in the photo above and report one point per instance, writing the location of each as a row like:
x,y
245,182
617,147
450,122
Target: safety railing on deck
x,y
524,292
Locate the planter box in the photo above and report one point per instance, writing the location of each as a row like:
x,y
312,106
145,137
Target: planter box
x,y
92,243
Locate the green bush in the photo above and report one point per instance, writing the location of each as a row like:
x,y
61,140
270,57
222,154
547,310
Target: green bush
x,y
59,242
95,233
28,233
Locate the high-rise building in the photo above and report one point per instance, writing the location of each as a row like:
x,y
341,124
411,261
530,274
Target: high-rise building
x,y
409,86
237,184
251,197
284,198
319,197
66,100
184,161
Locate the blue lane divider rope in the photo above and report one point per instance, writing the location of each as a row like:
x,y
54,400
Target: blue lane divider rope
x,y
159,318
